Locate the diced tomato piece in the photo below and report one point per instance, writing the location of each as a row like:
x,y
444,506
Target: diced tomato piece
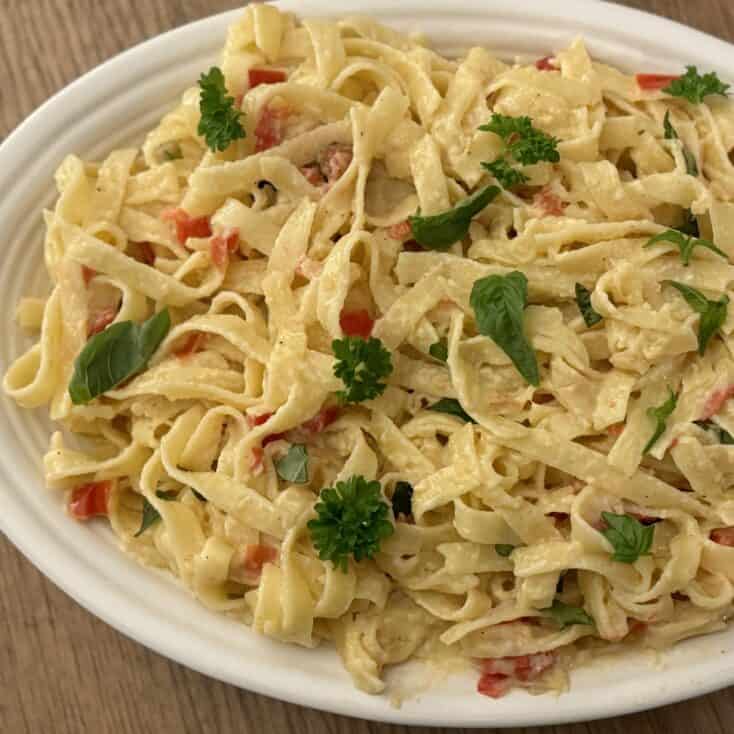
x,y
615,429
551,204
194,342
716,401
90,500
400,231
312,174
269,129
258,420
324,418
494,685
334,160
545,64
723,536
88,274
257,555
101,320
356,323
222,245
265,76
146,253
654,82
186,225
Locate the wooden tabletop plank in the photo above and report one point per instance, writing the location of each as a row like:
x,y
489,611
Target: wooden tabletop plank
x,y
62,671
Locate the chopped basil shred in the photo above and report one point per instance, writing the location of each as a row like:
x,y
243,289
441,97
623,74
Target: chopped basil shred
x,y
504,549
583,300
439,350
672,134
499,303
150,517
116,354
630,539
660,415
713,313
685,244
451,406
440,231
566,615
293,467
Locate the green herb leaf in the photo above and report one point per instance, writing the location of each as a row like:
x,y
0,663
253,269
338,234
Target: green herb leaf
x,y
150,517
685,244
660,415
220,122
566,615
723,436
503,549
713,313
507,176
439,350
695,87
293,467
451,406
402,499
361,365
525,143
352,521
168,496
116,354
583,300
440,231
672,134
499,302
628,536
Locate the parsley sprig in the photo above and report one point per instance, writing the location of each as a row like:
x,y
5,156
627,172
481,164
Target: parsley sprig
x,y
695,87
713,313
660,415
525,145
685,243
361,365
628,536
220,123
352,521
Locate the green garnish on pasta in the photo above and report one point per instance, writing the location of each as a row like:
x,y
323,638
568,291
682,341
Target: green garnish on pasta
x,y
221,122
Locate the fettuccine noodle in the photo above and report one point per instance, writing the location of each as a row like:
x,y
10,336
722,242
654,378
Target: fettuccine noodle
x,y
358,129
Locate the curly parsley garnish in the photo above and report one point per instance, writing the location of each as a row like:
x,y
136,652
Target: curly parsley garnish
x,y
694,86
525,144
220,123
361,365
628,536
713,313
499,302
686,244
660,415
352,521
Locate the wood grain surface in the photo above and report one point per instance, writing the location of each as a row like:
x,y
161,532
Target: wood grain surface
x,y
61,670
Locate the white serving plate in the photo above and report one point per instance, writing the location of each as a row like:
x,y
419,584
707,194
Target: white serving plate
x,y
114,105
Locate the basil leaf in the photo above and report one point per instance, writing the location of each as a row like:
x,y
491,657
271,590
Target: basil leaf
x,y
293,467
453,407
440,231
116,354
660,415
439,350
685,244
583,300
629,537
169,496
503,549
150,517
402,499
566,615
713,313
499,302
670,131
672,134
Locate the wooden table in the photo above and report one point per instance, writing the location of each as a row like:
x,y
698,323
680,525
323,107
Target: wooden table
x,y
61,670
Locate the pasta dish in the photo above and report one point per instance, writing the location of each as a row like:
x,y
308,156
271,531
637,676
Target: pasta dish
x,y
427,358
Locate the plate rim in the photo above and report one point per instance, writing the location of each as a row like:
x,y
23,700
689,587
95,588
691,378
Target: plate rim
x,y
133,620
